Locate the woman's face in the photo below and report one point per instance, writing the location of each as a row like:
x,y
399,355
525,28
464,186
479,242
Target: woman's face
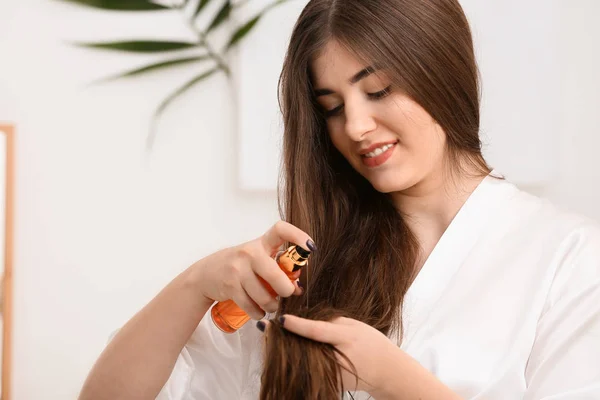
x,y
384,134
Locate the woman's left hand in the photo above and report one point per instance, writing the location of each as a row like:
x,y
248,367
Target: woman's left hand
x,y
370,351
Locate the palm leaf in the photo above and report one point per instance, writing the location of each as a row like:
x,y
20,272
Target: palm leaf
x,y
140,46
165,103
221,16
247,27
200,6
153,67
243,31
273,5
121,5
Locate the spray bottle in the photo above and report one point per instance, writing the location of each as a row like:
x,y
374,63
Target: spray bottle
x,y
229,317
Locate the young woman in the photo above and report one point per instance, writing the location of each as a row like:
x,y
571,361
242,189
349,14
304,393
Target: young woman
x,y
434,278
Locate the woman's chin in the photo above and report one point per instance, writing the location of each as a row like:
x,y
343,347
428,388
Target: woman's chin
x,y
388,184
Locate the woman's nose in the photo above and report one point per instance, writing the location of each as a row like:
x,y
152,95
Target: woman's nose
x,y
359,120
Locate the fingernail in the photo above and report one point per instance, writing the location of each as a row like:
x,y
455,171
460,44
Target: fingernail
x,y
281,320
311,245
261,326
300,284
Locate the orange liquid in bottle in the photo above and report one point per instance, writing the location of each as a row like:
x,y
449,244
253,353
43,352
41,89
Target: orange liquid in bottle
x,y
229,317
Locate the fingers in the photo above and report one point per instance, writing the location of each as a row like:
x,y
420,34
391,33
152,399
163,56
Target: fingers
x,y
255,289
265,272
321,331
243,300
283,232
267,269
262,325
299,289
258,292
345,321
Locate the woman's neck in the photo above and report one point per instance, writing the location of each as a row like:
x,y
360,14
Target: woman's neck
x,y
429,207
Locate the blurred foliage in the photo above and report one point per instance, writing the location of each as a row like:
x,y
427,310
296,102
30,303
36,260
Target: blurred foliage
x,y
213,61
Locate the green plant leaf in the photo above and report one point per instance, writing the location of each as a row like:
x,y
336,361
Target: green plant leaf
x,y
121,5
221,16
153,67
165,103
247,27
201,5
243,31
140,46
273,5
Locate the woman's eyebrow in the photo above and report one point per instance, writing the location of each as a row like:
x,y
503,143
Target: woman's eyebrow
x,y
362,74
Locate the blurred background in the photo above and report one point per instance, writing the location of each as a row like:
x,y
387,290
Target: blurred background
x,y
102,221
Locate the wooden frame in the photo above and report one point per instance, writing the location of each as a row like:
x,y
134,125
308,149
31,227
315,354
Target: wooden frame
x,y
7,136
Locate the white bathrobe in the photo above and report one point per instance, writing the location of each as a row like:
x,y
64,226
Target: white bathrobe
x,y
507,306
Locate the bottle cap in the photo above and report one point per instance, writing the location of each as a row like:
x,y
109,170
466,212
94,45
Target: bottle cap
x,y
298,256
301,252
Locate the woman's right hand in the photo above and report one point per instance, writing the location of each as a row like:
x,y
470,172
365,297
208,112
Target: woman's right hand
x,y
233,273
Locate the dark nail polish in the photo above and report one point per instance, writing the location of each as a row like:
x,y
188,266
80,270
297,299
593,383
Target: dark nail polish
x,y
300,285
261,326
281,320
311,245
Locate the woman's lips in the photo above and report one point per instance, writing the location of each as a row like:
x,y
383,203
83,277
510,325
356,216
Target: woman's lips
x,y
377,160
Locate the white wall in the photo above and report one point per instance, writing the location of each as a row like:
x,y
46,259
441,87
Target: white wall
x,y
101,225
577,185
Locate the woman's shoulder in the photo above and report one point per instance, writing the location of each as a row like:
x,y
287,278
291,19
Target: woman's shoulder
x,y
572,238
554,250
546,217
572,241
530,227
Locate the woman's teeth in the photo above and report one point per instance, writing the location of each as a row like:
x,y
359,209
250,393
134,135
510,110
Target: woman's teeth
x,y
379,150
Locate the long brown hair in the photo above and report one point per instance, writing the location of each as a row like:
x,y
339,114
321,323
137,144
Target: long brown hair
x,y
366,254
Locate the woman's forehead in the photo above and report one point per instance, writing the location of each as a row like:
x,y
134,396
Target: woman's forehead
x,y
335,64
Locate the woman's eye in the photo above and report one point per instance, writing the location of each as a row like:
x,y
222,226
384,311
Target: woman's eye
x,y
381,94
333,111
375,96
